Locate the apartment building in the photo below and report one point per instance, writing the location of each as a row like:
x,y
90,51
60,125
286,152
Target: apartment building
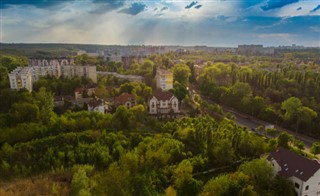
x,y
21,78
164,80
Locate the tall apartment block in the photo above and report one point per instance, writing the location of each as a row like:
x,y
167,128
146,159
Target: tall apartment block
x,y
164,80
21,78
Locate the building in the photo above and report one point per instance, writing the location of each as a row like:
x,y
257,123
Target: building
x,y
80,71
303,172
163,103
21,78
132,78
126,99
255,50
164,80
86,91
98,105
250,49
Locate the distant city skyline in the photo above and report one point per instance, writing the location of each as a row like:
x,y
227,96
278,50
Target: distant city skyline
x,y
223,23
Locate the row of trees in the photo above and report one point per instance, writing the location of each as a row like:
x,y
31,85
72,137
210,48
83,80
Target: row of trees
x,y
270,95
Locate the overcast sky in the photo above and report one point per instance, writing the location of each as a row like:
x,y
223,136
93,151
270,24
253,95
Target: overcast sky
x,y
162,22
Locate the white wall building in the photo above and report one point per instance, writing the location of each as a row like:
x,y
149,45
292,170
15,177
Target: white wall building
x,y
98,106
164,80
21,78
163,103
303,172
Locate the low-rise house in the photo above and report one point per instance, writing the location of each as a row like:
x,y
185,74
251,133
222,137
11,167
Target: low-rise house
x,y
98,105
59,101
303,172
163,103
86,91
126,99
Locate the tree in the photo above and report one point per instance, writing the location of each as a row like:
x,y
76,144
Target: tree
x,y
181,73
296,111
291,106
260,171
283,139
315,149
228,184
24,112
45,103
121,118
81,185
183,173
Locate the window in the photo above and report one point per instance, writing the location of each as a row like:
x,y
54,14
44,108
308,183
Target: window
x,y
307,187
296,185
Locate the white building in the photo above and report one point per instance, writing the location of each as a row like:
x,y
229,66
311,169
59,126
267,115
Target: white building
x,y
21,78
163,103
164,80
98,105
303,172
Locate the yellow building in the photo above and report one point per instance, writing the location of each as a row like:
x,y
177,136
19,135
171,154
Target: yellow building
x,y
164,79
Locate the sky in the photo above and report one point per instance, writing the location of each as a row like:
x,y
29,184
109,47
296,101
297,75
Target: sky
x,y
224,23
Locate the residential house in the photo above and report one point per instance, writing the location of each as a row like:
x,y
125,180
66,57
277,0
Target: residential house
x,y
98,105
303,172
126,99
86,91
163,102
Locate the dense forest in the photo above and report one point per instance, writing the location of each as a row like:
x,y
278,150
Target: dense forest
x,y
128,152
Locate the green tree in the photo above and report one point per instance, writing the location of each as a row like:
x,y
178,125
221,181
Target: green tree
x,y
45,103
181,73
81,184
260,171
315,148
283,139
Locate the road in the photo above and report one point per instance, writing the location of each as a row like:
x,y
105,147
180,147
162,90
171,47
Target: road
x,y
252,122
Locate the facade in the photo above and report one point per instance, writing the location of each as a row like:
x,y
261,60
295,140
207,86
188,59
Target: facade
x,y
164,80
86,91
21,78
255,50
126,99
303,172
163,103
80,71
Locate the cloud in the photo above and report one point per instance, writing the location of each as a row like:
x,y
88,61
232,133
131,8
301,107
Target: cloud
x,y
193,3
315,9
164,8
275,35
299,8
198,6
274,4
315,29
134,9
45,4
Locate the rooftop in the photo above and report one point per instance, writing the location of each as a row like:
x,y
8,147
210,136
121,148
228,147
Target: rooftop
x,y
160,95
294,165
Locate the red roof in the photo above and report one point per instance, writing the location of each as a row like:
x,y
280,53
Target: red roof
x,y
160,95
79,90
95,103
124,97
294,165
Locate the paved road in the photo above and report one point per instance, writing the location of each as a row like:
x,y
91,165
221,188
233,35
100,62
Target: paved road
x,y
252,122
